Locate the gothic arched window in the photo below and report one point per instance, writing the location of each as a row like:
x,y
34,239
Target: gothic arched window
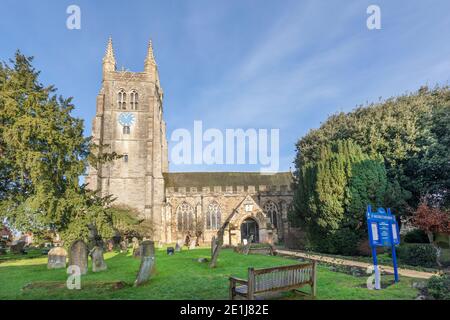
x,y
185,217
134,100
213,219
271,209
126,129
122,99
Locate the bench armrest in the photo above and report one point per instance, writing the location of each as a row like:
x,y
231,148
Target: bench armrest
x,y
238,280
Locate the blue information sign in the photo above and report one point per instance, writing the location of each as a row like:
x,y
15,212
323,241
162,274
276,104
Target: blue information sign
x,y
383,232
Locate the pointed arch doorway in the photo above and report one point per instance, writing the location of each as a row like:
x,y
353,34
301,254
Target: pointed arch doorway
x,y
250,227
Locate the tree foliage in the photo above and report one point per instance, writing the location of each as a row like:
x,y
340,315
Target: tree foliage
x,y
391,153
432,220
42,155
333,192
411,132
128,223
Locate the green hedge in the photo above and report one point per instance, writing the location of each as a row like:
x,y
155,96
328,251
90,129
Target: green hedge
x,y
439,287
343,241
423,255
416,236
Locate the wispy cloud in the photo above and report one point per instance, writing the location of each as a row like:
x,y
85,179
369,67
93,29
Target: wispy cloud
x,y
241,64
280,75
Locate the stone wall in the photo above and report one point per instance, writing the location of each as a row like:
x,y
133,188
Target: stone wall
x,y
229,198
137,180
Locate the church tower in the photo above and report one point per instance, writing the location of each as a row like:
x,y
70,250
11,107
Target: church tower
x,y
129,121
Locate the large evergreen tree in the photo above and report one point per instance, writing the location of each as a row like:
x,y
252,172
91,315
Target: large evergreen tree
x,y
333,192
412,135
411,132
42,155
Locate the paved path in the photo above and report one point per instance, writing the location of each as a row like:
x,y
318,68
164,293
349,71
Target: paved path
x,y
403,272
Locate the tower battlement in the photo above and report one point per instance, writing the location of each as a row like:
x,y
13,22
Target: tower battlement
x,y
129,121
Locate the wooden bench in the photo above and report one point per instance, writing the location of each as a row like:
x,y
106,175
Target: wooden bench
x,y
258,248
274,279
267,250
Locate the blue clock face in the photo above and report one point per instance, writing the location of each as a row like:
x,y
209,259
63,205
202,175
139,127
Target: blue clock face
x,y
126,119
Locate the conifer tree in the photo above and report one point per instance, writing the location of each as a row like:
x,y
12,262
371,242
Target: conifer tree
x,y
42,155
333,192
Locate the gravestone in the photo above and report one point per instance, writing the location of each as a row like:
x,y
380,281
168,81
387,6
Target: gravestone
x,y
170,251
177,247
94,239
116,242
110,245
147,262
136,248
213,245
187,239
192,245
98,262
57,258
17,247
124,246
198,235
78,256
248,245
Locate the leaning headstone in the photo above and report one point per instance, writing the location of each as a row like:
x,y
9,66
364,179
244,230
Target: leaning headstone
x,y
57,258
177,247
98,262
213,245
78,256
17,247
147,262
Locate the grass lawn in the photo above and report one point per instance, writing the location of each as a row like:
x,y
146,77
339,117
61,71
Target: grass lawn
x,y
177,277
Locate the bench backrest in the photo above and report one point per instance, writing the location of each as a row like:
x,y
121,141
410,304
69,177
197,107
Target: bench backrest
x,y
285,277
269,249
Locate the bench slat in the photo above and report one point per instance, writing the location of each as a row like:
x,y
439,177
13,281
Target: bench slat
x,y
280,277
277,279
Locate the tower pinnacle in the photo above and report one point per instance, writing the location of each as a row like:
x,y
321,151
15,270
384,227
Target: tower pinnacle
x,y
109,61
150,59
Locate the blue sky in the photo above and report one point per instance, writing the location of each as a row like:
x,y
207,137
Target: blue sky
x,y
239,63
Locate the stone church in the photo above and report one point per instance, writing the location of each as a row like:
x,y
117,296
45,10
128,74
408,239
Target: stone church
x,y
129,120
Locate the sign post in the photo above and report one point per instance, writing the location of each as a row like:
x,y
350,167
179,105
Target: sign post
x,y
383,232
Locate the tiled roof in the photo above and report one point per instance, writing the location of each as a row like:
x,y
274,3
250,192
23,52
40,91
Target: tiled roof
x,y
210,179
